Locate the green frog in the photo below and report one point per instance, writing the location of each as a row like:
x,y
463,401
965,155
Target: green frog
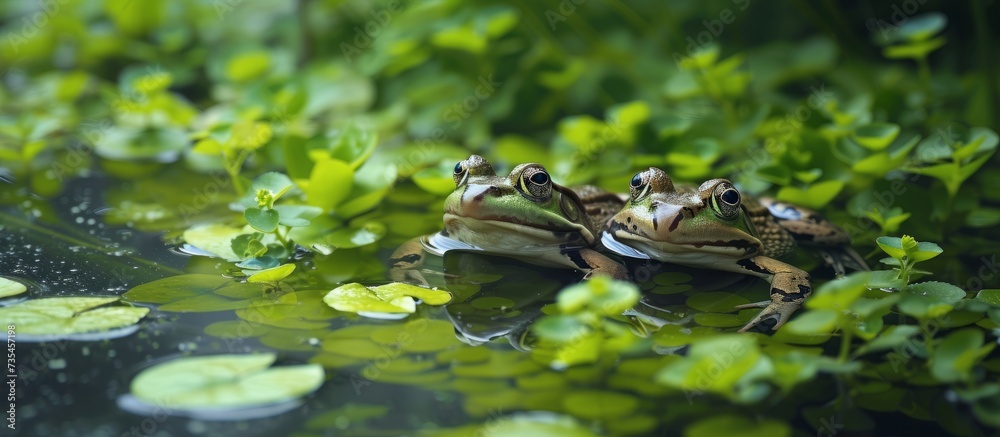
x,y
714,226
524,215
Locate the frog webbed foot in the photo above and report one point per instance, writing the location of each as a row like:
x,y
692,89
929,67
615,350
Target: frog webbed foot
x,y
789,287
595,263
405,263
778,310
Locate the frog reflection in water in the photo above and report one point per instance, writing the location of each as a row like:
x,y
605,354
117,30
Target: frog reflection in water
x,y
524,215
713,226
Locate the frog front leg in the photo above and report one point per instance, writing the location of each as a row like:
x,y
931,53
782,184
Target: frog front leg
x,y
406,260
789,287
595,263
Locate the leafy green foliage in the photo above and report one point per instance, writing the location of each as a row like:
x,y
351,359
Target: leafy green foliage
x,y
396,297
582,332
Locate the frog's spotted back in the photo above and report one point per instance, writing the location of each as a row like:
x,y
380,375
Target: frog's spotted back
x,y
599,204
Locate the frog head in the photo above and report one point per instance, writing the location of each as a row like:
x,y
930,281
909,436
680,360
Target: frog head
x,y
669,224
523,209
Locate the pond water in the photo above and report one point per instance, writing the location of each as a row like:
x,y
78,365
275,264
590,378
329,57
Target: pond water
x,y
471,367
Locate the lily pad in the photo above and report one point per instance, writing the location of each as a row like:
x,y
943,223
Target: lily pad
x,y
715,302
273,274
225,382
11,288
216,239
203,293
66,316
390,298
418,336
733,425
600,405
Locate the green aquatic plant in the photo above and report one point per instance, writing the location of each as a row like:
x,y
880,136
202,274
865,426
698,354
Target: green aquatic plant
x,y
63,317
11,288
389,298
584,330
224,382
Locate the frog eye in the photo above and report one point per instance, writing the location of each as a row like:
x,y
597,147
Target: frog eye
x,y
539,178
636,181
730,196
461,173
638,187
726,201
535,181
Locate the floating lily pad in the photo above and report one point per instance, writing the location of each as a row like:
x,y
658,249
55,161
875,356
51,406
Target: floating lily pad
x,y
358,348
204,293
465,355
215,239
600,404
224,382
535,424
62,317
11,288
716,320
737,426
715,302
499,365
390,298
419,336
273,274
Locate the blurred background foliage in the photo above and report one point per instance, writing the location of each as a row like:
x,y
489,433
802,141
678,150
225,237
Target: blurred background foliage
x,y
812,102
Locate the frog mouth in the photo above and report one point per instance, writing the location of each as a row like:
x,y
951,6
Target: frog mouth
x,y
609,242
508,222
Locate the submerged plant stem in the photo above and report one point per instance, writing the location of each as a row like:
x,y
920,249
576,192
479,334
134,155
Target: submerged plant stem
x,y
845,345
